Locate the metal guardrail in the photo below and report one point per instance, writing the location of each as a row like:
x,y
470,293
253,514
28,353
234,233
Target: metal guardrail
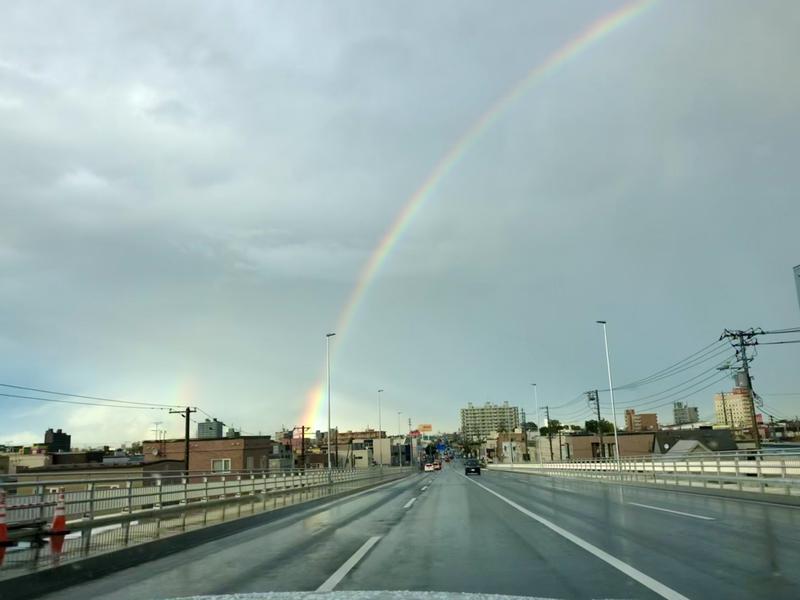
x,y
34,502
767,473
137,510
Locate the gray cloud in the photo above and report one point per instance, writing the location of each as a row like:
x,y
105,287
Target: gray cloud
x,y
190,191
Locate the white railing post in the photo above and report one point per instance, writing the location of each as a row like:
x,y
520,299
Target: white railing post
x,y
759,475
784,477
129,486
160,492
738,472
91,490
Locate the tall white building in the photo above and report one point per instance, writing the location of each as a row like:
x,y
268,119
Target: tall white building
x,y
685,414
733,408
477,422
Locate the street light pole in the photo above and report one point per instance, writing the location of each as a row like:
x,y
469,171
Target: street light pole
x,y
400,433
538,419
380,441
611,392
328,337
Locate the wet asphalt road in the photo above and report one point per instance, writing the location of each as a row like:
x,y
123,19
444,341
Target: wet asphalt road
x,y
499,533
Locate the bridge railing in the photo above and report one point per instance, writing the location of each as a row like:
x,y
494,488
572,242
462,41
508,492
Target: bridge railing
x,y
34,502
764,472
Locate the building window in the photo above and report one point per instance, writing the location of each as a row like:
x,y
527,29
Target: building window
x,y
221,465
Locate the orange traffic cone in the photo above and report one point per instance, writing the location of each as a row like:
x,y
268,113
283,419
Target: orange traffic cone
x,y
4,541
58,529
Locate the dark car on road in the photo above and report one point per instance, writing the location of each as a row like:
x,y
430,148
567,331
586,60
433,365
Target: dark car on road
x,y
472,467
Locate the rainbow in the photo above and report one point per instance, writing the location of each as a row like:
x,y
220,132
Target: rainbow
x,y
595,32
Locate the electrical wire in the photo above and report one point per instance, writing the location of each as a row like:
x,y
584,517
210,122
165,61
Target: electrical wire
x,y
780,331
62,401
100,398
781,342
568,403
715,353
642,400
688,395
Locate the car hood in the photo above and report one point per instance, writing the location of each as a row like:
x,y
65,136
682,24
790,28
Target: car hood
x,y
363,595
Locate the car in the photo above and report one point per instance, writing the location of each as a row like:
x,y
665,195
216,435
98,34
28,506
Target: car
x,y
428,467
472,467
437,465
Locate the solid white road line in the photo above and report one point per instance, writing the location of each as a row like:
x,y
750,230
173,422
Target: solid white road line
x,y
410,502
332,581
647,581
674,512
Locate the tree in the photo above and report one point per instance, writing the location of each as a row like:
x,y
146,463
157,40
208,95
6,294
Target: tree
x,y
553,426
530,426
591,426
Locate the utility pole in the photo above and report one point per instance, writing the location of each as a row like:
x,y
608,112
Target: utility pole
x,y
380,439
410,445
549,432
328,337
186,414
594,397
724,409
337,447
741,340
303,446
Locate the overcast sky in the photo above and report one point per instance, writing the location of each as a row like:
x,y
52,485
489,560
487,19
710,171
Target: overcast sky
x,y
189,191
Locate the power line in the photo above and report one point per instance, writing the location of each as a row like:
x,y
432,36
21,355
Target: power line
x,y
688,395
569,402
782,342
642,400
705,353
100,398
779,331
675,370
62,401
687,392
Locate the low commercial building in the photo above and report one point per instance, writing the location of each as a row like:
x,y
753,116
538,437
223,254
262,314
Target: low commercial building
x,y
224,454
587,446
76,476
17,461
511,447
345,437
356,459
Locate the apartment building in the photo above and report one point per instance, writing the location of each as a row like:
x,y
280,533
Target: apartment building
x,y
640,422
684,414
734,408
477,422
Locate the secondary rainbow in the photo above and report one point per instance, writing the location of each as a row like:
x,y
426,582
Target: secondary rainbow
x,y
595,32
